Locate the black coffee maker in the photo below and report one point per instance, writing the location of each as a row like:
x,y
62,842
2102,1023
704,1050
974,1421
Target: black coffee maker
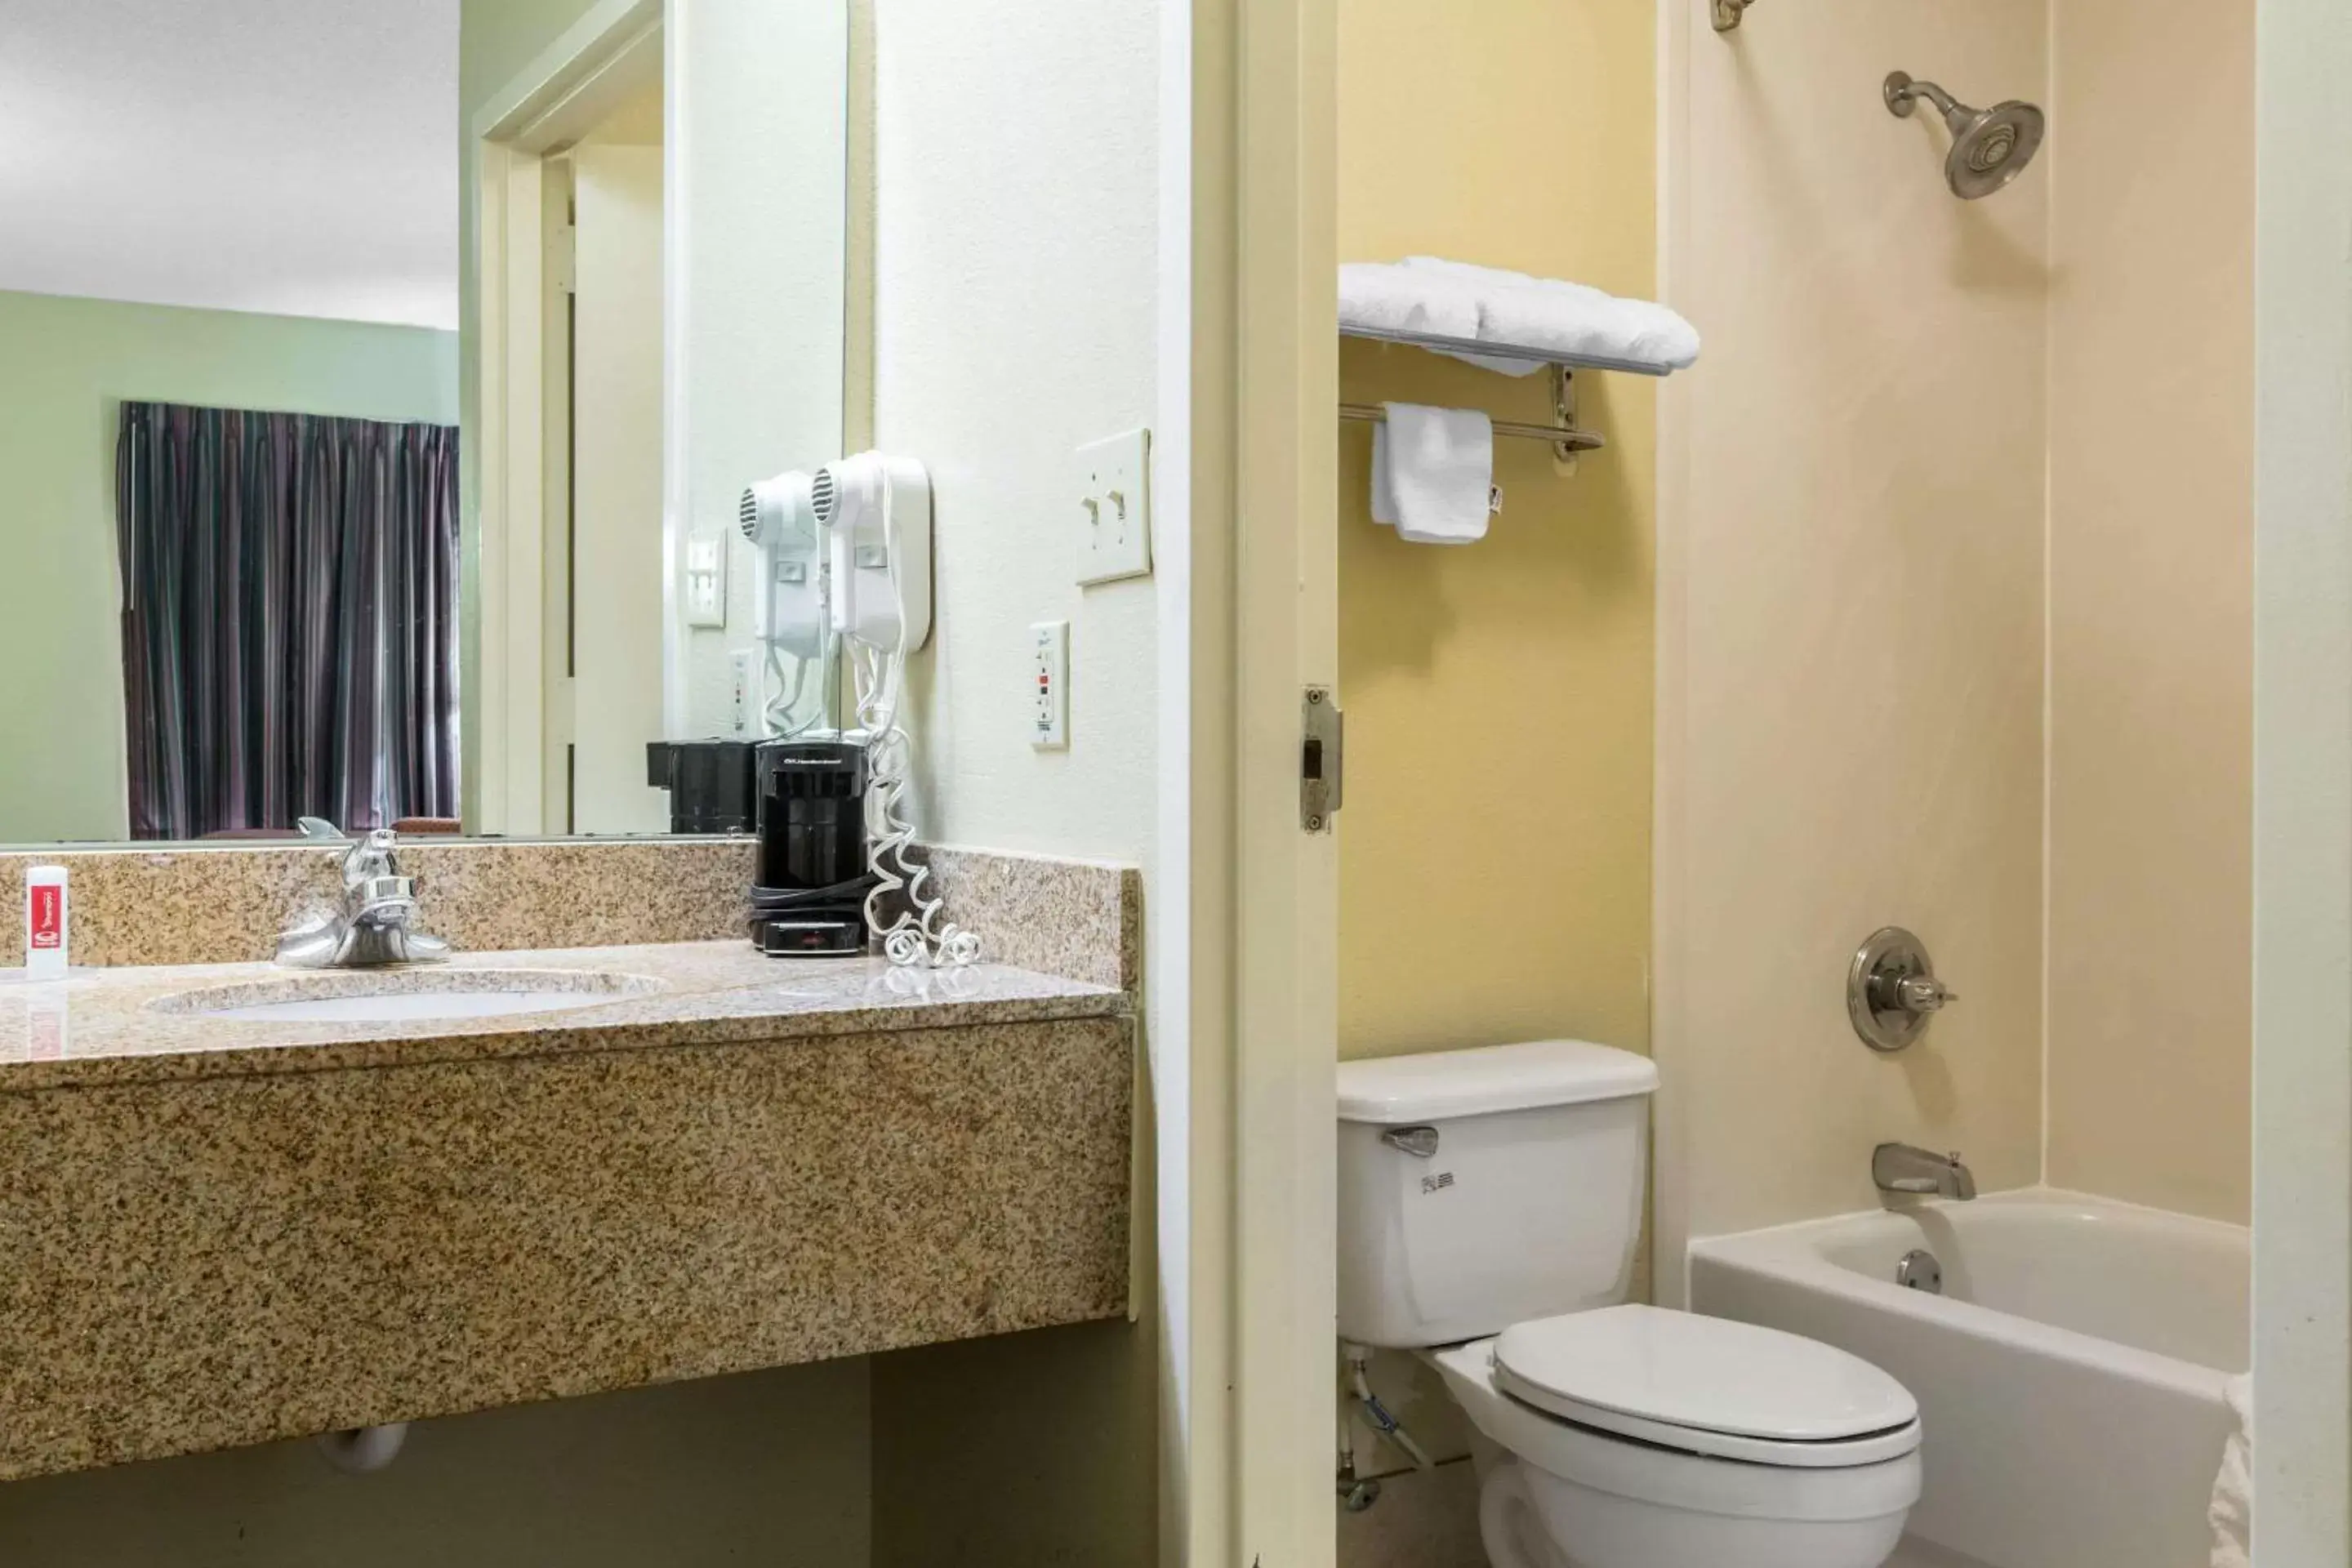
x,y
710,783
810,899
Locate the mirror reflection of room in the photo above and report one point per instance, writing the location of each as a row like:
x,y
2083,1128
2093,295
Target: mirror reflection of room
x,y
347,479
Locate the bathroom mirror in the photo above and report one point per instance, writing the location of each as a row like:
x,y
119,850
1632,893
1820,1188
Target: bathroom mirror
x,y
380,387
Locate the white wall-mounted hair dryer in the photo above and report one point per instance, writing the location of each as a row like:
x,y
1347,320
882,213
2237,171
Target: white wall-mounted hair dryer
x,y
875,513
789,614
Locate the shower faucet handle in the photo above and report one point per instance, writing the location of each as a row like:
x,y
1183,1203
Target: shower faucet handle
x,y
1923,994
1891,990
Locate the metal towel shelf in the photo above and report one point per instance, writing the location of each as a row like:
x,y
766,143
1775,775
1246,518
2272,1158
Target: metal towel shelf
x,y
1566,439
1485,350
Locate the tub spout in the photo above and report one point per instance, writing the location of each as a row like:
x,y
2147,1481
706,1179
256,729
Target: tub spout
x,y
1900,1168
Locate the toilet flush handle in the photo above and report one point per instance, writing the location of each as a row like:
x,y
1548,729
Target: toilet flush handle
x,y
1421,1143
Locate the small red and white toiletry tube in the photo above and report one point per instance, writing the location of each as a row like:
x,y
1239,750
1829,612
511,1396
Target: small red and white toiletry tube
x,y
46,921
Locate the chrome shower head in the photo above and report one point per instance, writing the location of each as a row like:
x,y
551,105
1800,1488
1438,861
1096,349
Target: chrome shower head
x,y
1990,147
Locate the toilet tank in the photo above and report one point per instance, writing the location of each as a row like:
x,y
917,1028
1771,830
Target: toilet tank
x,y
1481,1188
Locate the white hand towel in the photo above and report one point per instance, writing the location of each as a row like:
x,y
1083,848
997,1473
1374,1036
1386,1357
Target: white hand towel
x,y
1382,297
1433,473
2231,1513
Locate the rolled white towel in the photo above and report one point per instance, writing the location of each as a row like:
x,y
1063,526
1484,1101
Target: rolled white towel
x,y
2231,1513
1382,297
1574,321
1579,323
1469,272
1474,283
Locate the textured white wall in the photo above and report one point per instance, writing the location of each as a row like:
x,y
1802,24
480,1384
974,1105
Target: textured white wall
x,y
1015,209
1016,269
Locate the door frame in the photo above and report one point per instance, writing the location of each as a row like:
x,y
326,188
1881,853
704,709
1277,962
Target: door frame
x,y
1251,397
612,52
2303,782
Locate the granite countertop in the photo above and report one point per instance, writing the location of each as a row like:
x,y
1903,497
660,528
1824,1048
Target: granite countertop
x,y
132,1025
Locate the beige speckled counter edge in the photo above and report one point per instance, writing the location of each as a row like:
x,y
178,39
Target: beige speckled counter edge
x,y
178,904
127,1025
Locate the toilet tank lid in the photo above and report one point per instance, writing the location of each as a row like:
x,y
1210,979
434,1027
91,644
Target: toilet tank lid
x,y
1393,1090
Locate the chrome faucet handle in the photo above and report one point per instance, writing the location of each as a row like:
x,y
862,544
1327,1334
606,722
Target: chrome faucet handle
x,y
377,923
1923,994
318,828
370,859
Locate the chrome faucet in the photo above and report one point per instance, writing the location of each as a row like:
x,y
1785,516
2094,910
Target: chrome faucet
x,y
1900,1168
375,925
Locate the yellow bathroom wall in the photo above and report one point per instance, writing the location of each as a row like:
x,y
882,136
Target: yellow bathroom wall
x,y
2151,603
1494,848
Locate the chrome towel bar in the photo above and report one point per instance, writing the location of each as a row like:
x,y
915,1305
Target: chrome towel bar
x,y
1566,439
1569,440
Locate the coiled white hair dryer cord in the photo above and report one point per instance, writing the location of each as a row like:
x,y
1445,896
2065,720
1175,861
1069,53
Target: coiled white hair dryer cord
x,y
920,936
784,696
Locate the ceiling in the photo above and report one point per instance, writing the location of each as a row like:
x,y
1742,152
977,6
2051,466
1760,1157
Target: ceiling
x,y
299,157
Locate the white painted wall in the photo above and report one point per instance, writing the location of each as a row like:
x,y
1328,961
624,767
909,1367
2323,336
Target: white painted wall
x,y
615,693
238,155
758,109
2303,779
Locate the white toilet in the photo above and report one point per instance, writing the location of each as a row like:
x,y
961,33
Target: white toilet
x,y
1489,1206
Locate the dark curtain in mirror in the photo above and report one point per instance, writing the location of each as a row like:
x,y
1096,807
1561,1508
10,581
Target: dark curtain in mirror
x,y
289,622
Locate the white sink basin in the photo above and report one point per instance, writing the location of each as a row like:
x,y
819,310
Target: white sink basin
x,y
409,1006
406,995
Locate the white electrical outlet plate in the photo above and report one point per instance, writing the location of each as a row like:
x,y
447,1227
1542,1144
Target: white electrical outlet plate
x,y
706,580
1113,508
1049,718
746,664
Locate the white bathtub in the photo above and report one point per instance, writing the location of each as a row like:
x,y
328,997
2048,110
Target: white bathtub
x,y
2070,1375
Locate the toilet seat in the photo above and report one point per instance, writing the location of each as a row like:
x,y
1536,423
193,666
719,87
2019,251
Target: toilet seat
x,y
1673,1475
1709,1386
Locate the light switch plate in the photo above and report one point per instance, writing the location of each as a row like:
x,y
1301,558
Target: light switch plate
x,y
706,580
1049,718
1113,508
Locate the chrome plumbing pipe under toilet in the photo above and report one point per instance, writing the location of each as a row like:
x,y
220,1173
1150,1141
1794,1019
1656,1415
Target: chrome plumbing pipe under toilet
x,y
1359,1382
